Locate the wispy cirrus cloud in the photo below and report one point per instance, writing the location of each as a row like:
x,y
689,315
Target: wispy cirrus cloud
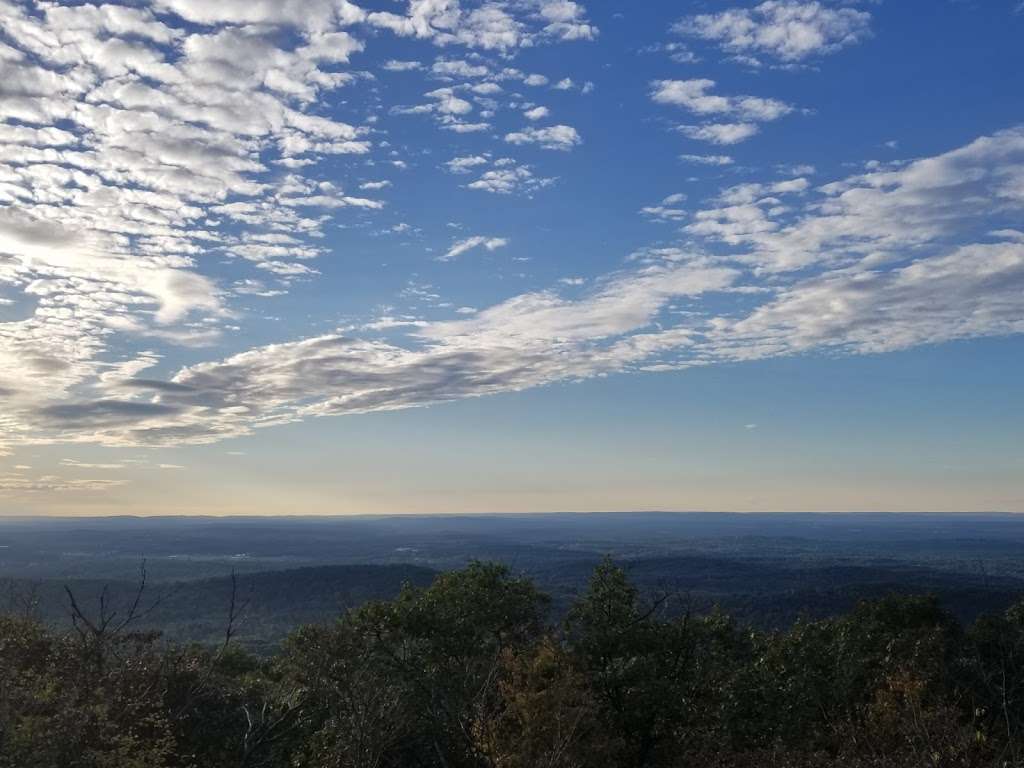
x,y
467,244
18,484
707,159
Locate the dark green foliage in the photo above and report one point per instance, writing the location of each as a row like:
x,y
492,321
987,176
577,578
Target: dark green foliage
x,y
995,661
640,668
469,672
66,702
415,681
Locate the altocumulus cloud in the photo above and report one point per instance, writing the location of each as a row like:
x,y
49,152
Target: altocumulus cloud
x,y
138,141
787,30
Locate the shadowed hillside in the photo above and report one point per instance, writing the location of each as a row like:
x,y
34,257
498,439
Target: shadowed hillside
x,y
268,605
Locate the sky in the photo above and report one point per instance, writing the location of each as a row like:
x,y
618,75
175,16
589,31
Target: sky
x,y
320,257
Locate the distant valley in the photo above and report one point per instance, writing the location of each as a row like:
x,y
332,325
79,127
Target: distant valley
x,y
767,570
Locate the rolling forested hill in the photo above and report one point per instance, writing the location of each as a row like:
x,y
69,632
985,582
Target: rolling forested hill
x,y
268,604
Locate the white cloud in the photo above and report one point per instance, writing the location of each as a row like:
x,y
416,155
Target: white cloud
x,y
90,465
707,159
393,65
510,179
796,169
490,25
663,213
527,341
466,163
460,127
563,137
788,30
969,291
720,133
967,192
448,111
666,210
467,244
537,113
309,14
566,20
693,95
250,287
450,68
449,103
17,483
486,89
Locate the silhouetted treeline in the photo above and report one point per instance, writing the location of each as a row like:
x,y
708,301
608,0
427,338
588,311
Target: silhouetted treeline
x,y
471,672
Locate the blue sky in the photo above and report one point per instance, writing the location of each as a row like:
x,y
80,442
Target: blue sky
x,y
510,255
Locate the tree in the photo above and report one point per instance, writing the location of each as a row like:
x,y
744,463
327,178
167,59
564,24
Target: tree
x,y
429,661
636,663
995,674
550,715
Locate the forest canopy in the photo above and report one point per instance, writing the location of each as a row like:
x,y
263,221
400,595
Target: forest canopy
x,y
473,671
